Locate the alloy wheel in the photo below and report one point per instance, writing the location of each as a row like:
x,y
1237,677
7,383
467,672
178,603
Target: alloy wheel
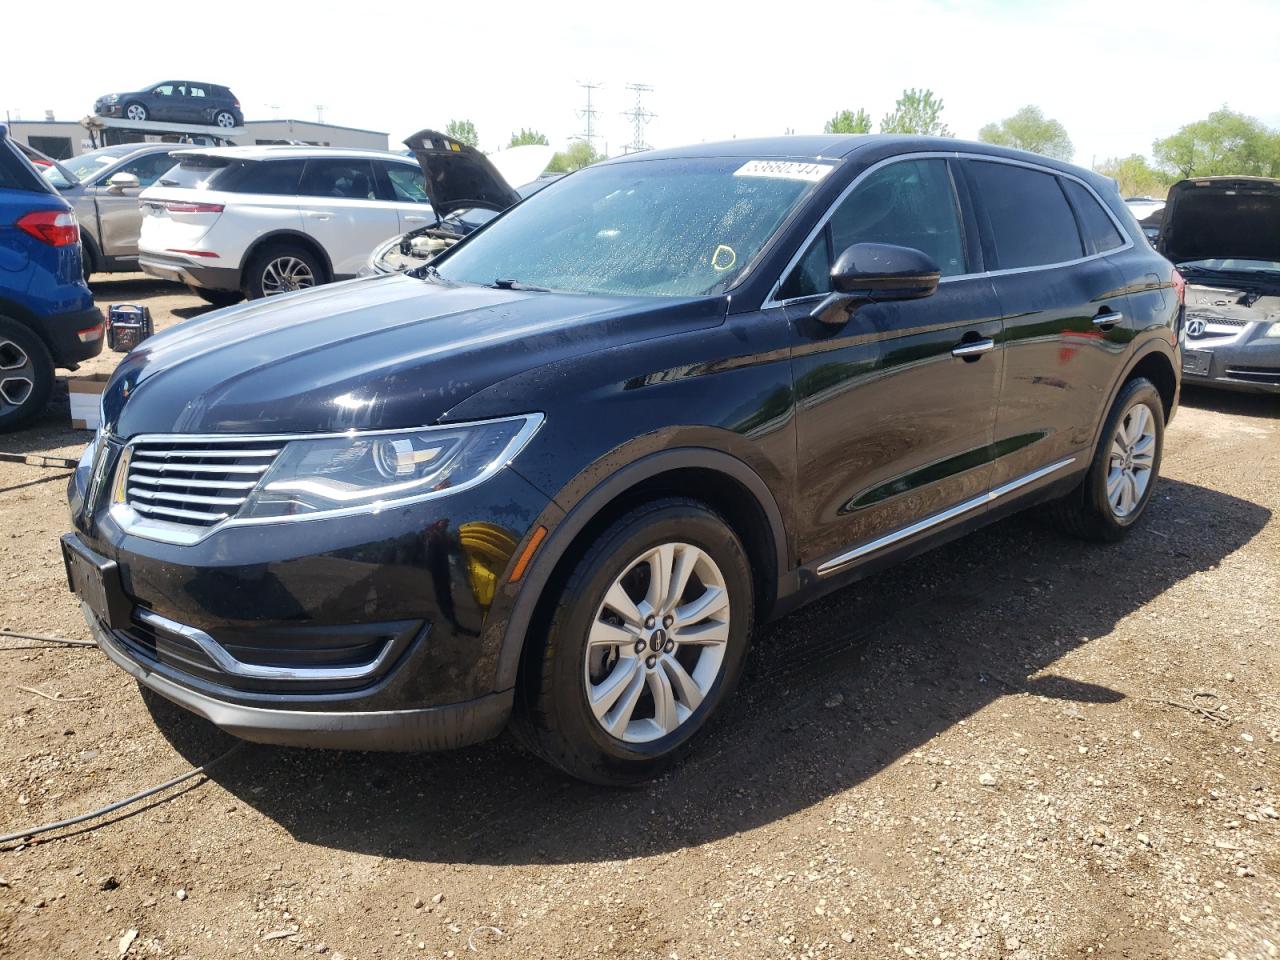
x,y
285,275
136,112
1133,453
657,644
225,120
17,376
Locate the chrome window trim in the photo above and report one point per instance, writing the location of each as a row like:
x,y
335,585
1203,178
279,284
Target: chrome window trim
x,y
771,301
920,526
131,522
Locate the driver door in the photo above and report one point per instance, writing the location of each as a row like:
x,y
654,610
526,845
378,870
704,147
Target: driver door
x,y
895,428
119,215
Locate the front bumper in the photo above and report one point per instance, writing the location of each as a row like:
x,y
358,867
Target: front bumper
x,y
183,270
365,631
1247,361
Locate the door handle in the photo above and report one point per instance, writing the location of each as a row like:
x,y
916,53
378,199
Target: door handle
x,y
317,214
1107,319
973,349
415,219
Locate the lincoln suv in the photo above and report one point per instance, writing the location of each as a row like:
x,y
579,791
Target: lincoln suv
x,y
558,476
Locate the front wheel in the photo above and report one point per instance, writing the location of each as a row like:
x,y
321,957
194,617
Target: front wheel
x,y
281,268
1122,476
135,111
646,640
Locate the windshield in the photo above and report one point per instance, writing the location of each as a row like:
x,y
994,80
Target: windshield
x,y
88,164
669,228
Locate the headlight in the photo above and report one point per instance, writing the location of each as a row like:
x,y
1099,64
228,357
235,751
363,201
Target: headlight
x,y
371,471
111,97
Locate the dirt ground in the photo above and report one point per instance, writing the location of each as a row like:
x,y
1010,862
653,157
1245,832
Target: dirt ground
x,y
1015,746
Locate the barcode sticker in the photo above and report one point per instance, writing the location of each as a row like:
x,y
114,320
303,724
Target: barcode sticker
x,y
784,170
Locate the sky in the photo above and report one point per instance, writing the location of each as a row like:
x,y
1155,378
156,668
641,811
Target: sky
x,y
1116,73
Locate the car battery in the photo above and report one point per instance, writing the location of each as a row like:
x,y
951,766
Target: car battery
x,y
128,324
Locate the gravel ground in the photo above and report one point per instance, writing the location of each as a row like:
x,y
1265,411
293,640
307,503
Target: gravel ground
x,y
1015,746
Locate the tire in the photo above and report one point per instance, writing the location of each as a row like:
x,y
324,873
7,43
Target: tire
x,y
265,274
1106,505
88,256
219,298
136,111
224,119
562,667
26,375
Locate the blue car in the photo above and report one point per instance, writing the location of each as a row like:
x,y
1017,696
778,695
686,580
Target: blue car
x,y
47,315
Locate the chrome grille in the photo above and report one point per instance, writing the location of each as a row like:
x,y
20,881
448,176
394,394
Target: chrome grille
x,y
195,484
1213,318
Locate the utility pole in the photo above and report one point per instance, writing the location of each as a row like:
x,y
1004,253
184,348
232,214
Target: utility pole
x,y
639,117
589,114
320,112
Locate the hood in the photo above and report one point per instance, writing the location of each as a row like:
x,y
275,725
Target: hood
x,y
379,353
1222,218
458,176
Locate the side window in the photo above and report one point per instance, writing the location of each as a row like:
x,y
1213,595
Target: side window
x,y
339,178
195,91
271,176
911,203
148,169
812,275
164,90
1030,221
1100,232
407,183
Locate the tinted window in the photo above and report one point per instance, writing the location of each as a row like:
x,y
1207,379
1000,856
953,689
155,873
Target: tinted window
x,y
812,274
15,174
1030,221
264,177
407,183
910,203
1099,232
349,179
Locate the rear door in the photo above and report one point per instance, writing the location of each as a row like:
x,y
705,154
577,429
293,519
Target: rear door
x,y
895,429
343,210
1063,308
405,186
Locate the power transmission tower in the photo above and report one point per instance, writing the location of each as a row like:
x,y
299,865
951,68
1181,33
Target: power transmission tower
x,y
589,114
639,117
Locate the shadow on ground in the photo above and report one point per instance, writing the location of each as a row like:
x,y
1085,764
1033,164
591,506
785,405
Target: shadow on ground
x,y
1228,401
833,694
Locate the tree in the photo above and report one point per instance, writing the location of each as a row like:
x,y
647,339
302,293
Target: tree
x,y
917,111
1224,143
1030,129
577,155
527,136
463,131
846,121
1134,176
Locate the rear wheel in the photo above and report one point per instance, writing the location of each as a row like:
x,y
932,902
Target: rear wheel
x,y
26,375
224,119
1122,477
219,298
281,268
135,111
647,639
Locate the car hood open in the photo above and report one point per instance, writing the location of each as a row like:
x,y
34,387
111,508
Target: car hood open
x,y
1222,218
380,353
458,176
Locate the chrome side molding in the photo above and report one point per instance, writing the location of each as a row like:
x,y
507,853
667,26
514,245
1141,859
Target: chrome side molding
x,y
844,559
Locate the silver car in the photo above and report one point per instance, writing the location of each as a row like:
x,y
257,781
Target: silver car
x,y
103,187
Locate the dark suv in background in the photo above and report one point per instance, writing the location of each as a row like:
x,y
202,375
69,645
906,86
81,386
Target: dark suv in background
x,y
563,472
175,101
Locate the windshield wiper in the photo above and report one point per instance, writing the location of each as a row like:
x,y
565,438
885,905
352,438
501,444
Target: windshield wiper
x,y
506,284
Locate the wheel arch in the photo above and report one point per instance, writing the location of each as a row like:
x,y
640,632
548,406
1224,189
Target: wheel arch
x,y
1156,361
10,310
287,236
726,484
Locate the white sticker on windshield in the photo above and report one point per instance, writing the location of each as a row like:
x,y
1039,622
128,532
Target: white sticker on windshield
x,y
784,170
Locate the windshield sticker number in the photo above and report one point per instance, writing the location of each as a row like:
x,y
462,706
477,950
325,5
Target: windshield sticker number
x,y
784,170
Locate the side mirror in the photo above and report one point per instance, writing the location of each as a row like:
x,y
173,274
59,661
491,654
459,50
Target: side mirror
x,y
876,273
120,182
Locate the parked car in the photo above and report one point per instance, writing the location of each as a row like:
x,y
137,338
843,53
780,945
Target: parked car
x,y
175,101
1149,212
47,315
565,470
466,189
259,221
1223,234
103,187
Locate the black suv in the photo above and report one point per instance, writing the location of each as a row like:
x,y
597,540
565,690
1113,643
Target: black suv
x,y
175,101
562,473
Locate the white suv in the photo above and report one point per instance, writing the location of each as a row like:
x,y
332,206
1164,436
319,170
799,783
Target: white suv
x,y
256,221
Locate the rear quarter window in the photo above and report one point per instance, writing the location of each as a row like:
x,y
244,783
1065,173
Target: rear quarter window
x,y
196,174
1029,222
1100,233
